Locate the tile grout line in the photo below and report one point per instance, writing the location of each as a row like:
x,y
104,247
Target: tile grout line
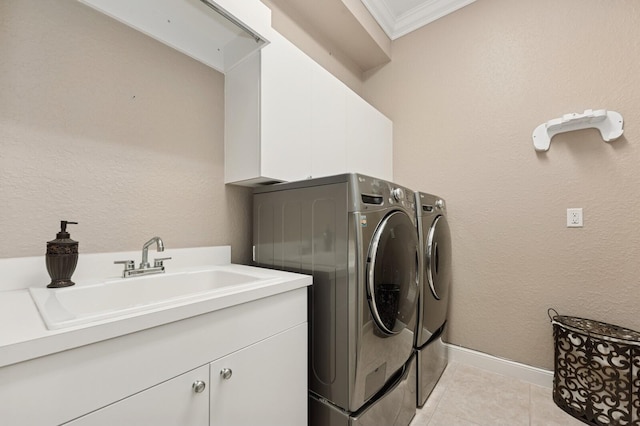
x,y
441,386
437,403
445,388
530,404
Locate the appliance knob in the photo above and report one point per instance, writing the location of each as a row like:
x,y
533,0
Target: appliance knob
x,y
440,204
198,386
226,373
398,194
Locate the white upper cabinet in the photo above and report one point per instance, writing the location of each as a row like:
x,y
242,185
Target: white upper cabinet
x,y
370,139
287,118
285,105
217,33
328,124
268,116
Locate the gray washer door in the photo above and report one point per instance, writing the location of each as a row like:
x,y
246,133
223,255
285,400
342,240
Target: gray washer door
x,y
392,273
438,258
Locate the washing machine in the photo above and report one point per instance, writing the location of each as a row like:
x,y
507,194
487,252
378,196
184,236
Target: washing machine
x,y
357,235
435,281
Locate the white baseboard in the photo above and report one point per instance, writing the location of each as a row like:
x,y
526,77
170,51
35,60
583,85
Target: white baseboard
x,y
527,373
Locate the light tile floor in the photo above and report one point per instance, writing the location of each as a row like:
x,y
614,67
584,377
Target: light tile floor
x,y
468,396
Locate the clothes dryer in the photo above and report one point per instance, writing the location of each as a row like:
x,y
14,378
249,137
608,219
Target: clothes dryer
x,y
357,236
435,280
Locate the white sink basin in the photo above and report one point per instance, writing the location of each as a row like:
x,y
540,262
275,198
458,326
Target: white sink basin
x,y
82,304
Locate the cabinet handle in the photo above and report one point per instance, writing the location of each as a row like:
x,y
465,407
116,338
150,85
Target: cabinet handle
x,y
198,386
226,373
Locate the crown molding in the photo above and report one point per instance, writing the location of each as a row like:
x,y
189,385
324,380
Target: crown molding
x,y
397,25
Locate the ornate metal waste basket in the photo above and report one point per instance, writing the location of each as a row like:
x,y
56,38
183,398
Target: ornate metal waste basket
x,y
596,371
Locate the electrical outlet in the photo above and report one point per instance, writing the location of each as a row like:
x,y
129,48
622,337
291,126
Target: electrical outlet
x,y
574,218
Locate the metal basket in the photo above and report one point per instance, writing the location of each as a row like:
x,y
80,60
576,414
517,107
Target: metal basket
x,y
596,371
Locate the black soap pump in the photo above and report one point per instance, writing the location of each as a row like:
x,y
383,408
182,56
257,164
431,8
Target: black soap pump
x,y
62,257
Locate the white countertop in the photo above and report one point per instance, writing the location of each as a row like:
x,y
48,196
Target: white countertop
x,y
24,335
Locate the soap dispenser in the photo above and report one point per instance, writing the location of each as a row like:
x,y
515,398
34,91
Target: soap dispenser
x,y
62,257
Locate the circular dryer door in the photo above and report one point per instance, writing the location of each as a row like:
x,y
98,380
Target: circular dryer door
x,y
438,257
392,273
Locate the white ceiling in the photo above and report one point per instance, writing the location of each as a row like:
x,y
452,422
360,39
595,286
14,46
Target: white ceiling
x,y
400,17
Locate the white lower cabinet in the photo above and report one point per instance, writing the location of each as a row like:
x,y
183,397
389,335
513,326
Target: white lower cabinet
x,y
147,377
174,402
263,384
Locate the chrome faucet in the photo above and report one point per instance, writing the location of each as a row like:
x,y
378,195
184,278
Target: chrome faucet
x,y
145,268
145,251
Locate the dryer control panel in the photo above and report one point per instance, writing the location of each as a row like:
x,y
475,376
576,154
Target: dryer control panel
x,y
429,204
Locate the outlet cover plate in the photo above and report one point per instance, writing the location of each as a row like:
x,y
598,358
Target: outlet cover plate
x,y
574,218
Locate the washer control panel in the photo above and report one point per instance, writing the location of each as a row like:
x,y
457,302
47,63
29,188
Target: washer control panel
x,y
401,196
398,194
377,192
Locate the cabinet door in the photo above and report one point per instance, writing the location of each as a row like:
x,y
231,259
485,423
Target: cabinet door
x,y
328,124
174,402
370,139
192,27
242,121
285,111
264,384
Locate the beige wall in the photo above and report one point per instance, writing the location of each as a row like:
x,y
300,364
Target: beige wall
x,y
316,47
465,94
105,126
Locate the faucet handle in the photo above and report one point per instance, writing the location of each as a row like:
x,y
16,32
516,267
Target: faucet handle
x,y
128,264
158,262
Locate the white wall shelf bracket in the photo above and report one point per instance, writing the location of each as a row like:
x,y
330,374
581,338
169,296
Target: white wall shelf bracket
x,y
609,123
